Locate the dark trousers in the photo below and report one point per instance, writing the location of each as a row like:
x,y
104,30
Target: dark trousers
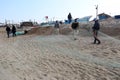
x,y
14,33
95,33
69,21
8,32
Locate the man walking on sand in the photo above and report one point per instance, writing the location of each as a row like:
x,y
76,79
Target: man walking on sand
x,y
96,28
75,26
13,30
57,27
8,30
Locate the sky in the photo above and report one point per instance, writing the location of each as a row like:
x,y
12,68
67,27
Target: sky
x,y
36,10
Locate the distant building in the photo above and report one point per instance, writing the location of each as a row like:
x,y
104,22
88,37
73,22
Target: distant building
x,y
84,19
117,16
26,24
80,20
103,16
2,25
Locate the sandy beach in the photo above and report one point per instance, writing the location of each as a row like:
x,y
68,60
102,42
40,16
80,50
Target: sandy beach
x,y
58,56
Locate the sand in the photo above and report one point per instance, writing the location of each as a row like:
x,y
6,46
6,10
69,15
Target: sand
x,y
59,56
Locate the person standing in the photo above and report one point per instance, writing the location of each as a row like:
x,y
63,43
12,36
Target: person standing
x,y
75,26
69,18
96,28
13,30
8,30
57,26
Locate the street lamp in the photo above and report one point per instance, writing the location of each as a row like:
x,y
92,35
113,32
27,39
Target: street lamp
x,y
96,7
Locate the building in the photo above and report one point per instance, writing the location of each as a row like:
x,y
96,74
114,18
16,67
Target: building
x,y
117,16
26,24
2,25
103,16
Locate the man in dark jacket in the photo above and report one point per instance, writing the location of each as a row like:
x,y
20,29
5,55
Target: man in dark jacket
x,y
8,30
96,28
57,27
56,24
75,26
69,18
13,30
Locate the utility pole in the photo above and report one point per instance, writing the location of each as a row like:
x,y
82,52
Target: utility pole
x,y
96,7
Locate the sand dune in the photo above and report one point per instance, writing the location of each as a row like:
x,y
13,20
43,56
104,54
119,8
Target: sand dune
x,y
59,56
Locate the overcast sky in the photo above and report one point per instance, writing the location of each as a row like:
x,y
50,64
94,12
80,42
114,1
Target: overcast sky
x,y
23,10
